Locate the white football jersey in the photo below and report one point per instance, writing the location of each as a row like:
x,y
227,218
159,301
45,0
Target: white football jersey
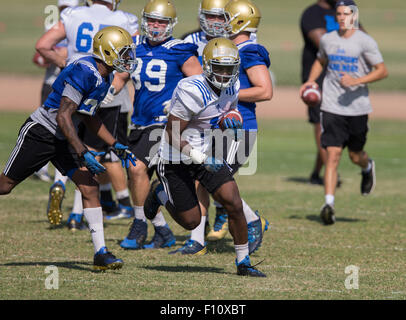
x,y
194,101
82,23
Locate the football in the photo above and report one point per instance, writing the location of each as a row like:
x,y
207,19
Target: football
x,y
312,96
232,114
39,60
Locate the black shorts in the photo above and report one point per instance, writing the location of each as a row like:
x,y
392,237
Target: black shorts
x,y
144,142
35,146
342,131
179,182
236,153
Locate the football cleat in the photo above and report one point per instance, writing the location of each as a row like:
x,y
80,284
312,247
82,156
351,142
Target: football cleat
x,y
368,181
244,268
105,260
137,235
191,247
152,202
54,211
75,222
163,238
327,214
220,227
316,179
123,212
256,231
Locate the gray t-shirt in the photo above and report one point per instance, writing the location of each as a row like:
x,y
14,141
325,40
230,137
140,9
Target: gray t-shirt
x,y
355,56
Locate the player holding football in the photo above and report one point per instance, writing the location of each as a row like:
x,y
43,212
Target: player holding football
x,y
197,103
78,26
50,133
353,60
162,62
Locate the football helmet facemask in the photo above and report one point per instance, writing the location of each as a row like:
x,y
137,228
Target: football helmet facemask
x,y
161,10
213,8
221,62
115,47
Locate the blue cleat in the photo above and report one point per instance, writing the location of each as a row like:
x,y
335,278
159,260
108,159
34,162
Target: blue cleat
x,y
152,202
137,235
220,227
191,247
105,260
54,209
244,268
123,212
163,238
75,222
256,231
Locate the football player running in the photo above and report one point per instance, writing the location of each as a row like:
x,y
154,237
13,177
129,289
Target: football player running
x,y
185,151
50,133
162,62
78,26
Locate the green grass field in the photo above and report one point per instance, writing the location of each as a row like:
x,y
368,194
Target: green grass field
x,y
303,258
21,24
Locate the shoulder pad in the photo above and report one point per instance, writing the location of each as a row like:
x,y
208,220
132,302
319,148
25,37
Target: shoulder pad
x,y
179,45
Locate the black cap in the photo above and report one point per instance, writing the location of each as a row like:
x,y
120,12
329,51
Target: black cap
x,y
345,3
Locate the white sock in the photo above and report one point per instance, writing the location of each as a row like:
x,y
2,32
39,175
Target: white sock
x,y
59,176
77,202
105,187
248,213
329,199
94,217
44,169
122,194
139,213
242,251
159,220
368,168
198,232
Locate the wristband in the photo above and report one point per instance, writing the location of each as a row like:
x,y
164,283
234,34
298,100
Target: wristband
x,y
197,156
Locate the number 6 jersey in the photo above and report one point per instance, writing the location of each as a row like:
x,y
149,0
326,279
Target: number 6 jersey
x,y
158,72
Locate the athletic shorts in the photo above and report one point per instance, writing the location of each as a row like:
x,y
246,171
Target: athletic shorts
x,y
35,147
342,131
144,142
179,182
236,153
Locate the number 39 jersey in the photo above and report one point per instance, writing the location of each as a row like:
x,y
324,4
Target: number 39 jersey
x,y
82,23
158,72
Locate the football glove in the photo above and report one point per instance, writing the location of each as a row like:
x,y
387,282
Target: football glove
x,y
125,155
109,96
88,159
212,164
234,125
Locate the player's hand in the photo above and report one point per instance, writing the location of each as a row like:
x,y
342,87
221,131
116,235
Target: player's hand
x,y
212,164
88,159
347,81
305,85
232,124
166,106
125,155
109,96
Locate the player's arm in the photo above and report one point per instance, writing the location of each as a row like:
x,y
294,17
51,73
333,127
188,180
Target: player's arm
x,y
192,67
315,35
118,83
378,73
45,46
95,124
65,123
173,133
261,89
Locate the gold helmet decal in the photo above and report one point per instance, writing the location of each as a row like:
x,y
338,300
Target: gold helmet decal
x,y
116,48
162,10
242,15
211,17
115,3
221,62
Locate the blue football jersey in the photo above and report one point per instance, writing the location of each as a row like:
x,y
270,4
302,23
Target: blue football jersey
x,y
158,72
251,54
85,78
